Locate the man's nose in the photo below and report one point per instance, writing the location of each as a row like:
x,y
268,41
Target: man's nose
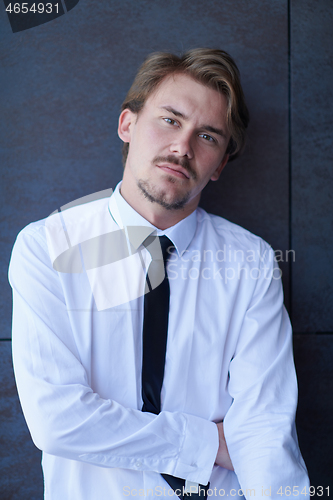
x,y
183,145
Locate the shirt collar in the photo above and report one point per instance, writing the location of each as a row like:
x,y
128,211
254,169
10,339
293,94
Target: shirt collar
x,y
138,228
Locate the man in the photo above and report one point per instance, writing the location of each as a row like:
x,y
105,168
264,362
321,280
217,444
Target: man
x,y
205,392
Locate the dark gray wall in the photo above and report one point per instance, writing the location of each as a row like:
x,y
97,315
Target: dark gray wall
x,y
311,162
62,84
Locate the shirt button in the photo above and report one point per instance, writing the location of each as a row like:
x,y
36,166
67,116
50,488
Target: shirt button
x,y
138,464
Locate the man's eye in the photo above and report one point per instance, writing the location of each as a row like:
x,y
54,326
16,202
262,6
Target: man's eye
x,y
207,137
170,120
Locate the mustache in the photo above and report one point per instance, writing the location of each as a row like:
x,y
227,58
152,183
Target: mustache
x,y
182,162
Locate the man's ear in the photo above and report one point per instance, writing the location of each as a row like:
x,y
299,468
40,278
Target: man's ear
x,y
219,169
126,118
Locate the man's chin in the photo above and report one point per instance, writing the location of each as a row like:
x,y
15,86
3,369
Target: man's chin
x,y
162,197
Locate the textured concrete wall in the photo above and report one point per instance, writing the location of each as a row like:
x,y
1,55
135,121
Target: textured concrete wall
x,y
62,84
312,172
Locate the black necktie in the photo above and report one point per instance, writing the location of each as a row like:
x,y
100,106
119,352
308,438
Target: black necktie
x,y
155,324
155,331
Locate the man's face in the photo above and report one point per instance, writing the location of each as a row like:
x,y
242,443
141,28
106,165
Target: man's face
x,y
177,143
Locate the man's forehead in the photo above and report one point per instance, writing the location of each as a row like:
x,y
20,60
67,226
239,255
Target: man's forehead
x,y
180,88
184,95
180,82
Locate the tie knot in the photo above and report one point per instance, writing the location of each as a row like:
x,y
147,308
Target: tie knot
x,y
167,246
157,271
155,244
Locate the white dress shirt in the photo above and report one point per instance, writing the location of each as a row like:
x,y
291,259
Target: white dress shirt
x,y
78,280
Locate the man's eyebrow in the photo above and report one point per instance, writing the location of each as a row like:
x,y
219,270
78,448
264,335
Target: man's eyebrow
x,y
209,128
214,130
174,112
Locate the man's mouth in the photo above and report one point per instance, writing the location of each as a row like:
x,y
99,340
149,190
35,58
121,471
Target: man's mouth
x,y
173,169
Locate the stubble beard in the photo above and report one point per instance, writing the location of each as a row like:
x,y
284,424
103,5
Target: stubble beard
x,y
160,196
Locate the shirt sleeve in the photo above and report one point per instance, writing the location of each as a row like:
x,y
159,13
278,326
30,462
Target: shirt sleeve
x,y
259,426
65,417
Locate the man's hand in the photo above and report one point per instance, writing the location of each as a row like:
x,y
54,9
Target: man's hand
x,y
222,457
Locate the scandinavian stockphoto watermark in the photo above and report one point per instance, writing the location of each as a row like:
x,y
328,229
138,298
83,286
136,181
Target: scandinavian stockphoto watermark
x,y
123,263
228,264
263,492
163,491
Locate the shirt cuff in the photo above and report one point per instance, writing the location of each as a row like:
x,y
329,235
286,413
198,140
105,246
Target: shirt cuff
x,y
198,453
